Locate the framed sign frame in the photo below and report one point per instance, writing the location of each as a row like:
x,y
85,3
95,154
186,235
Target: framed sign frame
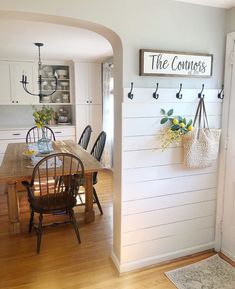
x,y
172,63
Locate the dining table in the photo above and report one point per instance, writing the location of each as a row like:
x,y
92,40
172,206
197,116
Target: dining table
x,y
16,167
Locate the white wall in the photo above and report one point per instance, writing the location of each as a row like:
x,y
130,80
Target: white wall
x,y
168,210
230,23
152,24
167,24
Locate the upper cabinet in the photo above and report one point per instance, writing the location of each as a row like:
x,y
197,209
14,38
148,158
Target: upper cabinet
x,y
19,95
88,83
5,82
12,91
63,91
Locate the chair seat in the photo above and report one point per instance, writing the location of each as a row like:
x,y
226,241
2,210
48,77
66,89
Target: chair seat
x,y
49,203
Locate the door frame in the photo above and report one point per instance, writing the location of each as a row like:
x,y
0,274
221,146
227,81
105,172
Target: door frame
x,y
116,43
229,55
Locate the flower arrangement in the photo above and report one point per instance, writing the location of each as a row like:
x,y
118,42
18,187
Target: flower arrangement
x,y
176,127
43,116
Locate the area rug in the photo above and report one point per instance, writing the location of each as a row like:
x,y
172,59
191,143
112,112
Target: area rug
x,y
211,273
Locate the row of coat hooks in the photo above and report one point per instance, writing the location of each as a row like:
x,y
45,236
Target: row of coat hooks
x,y
179,95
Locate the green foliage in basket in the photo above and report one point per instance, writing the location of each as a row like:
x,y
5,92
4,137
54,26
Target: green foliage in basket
x,y
175,128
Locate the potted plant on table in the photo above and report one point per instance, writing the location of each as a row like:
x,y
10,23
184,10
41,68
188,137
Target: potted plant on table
x,y
42,118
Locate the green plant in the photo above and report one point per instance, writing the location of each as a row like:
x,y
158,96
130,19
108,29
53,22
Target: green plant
x,y
43,116
176,127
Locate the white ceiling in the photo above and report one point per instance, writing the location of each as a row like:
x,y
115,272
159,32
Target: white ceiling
x,y
60,42
213,3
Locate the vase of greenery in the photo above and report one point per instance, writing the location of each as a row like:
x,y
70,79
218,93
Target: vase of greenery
x,y
42,118
175,128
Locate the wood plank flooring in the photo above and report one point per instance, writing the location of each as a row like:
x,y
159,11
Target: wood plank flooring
x,y
64,264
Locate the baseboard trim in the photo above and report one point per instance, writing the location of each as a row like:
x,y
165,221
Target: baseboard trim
x,y
130,266
115,261
227,254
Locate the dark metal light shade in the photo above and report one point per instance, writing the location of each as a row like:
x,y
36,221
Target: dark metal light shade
x,y
25,82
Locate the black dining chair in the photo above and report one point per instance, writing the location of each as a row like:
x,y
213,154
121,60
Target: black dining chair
x,y
33,135
96,152
53,189
85,137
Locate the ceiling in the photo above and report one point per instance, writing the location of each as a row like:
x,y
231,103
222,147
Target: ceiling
x,y
60,42
213,3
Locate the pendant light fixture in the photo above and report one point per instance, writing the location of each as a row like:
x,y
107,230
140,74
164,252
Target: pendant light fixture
x,y
24,81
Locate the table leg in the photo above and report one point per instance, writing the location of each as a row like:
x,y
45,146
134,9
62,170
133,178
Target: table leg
x,y
89,212
13,208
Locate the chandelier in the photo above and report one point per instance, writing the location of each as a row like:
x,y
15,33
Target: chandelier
x,y
25,82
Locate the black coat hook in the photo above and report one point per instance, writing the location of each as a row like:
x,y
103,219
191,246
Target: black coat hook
x,y
155,94
130,94
221,93
200,95
178,94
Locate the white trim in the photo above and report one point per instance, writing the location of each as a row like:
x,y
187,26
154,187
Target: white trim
x,y
224,135
115,261
161,258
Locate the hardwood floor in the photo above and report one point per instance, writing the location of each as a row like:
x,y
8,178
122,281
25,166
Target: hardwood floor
x,y
64,264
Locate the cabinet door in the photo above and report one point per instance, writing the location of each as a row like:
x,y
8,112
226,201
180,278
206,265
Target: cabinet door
x,y
94,84
81,83
5,82
95,114
18,93
82,119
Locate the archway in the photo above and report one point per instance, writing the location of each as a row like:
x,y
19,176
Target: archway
x,y
115,41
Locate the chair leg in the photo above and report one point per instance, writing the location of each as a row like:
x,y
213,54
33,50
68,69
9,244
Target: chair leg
x,y
31,221
97,201
75,224
39,233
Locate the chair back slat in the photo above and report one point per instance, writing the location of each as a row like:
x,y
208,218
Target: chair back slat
x,y
97,150
51,181
34,134
98,146
85,137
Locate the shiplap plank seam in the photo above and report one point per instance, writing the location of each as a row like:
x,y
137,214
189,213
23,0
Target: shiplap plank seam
x,y
170,178
169,223
173,194
166,230
170,207
168,236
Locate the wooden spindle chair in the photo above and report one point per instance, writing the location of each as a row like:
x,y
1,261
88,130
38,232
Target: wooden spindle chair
x,y
85,137
96,152
34,134
53,189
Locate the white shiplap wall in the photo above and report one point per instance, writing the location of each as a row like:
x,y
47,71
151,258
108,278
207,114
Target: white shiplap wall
x,y
167,210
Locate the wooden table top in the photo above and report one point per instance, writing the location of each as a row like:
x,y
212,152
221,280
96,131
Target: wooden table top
x,y
16,167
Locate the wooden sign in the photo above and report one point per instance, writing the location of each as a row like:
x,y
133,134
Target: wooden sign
x,y
167,63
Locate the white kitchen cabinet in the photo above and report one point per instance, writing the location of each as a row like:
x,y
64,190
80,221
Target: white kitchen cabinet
x,y
19,95
64,132
63,93
12,91
5,82
89,114
88,83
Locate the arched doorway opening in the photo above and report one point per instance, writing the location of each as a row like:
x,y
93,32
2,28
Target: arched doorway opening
x,y
115,41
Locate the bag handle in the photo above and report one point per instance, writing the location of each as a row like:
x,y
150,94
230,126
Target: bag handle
x,y
198,113
201,115
206,123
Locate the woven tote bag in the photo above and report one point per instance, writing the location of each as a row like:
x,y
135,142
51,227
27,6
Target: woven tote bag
x,y
201,146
